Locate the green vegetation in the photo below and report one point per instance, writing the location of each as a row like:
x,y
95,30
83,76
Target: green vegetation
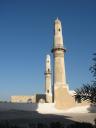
x,y
88,91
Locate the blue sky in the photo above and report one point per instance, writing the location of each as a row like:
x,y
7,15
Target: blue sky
x,y
26,36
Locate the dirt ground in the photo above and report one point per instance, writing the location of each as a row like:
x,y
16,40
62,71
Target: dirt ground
x,y
27,117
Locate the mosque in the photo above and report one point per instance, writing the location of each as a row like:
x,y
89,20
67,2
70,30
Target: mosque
x,y
59,93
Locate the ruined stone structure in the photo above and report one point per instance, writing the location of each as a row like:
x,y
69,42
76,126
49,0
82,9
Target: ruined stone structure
x,y
23,99
37,98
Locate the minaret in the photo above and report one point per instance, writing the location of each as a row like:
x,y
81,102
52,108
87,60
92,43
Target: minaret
x,y
48,79
58,51
61,91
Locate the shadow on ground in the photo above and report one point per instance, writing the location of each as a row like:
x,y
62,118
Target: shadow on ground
x,y
19,118
29,119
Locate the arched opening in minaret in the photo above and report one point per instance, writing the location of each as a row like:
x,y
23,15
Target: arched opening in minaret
x,y
48,69
59,29
48,91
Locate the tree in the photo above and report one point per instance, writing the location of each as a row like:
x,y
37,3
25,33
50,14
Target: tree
x,y
88,91
93,68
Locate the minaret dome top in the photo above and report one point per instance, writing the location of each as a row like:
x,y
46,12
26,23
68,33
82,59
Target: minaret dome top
x,y
48,57
57,21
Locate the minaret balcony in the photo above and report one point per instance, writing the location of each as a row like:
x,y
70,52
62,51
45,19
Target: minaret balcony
x,y
47,72
58,49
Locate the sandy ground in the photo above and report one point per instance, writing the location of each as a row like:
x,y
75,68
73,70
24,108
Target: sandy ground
x,y
21,117
23,114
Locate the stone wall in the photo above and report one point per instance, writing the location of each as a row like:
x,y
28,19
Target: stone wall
x,y
23,99
29,99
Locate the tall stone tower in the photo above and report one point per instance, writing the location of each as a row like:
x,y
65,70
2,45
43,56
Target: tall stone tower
x,y
62,97
48,91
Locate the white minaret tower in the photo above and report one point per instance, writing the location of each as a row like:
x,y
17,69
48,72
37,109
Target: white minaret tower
x,y
48,91
58,51
61,91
